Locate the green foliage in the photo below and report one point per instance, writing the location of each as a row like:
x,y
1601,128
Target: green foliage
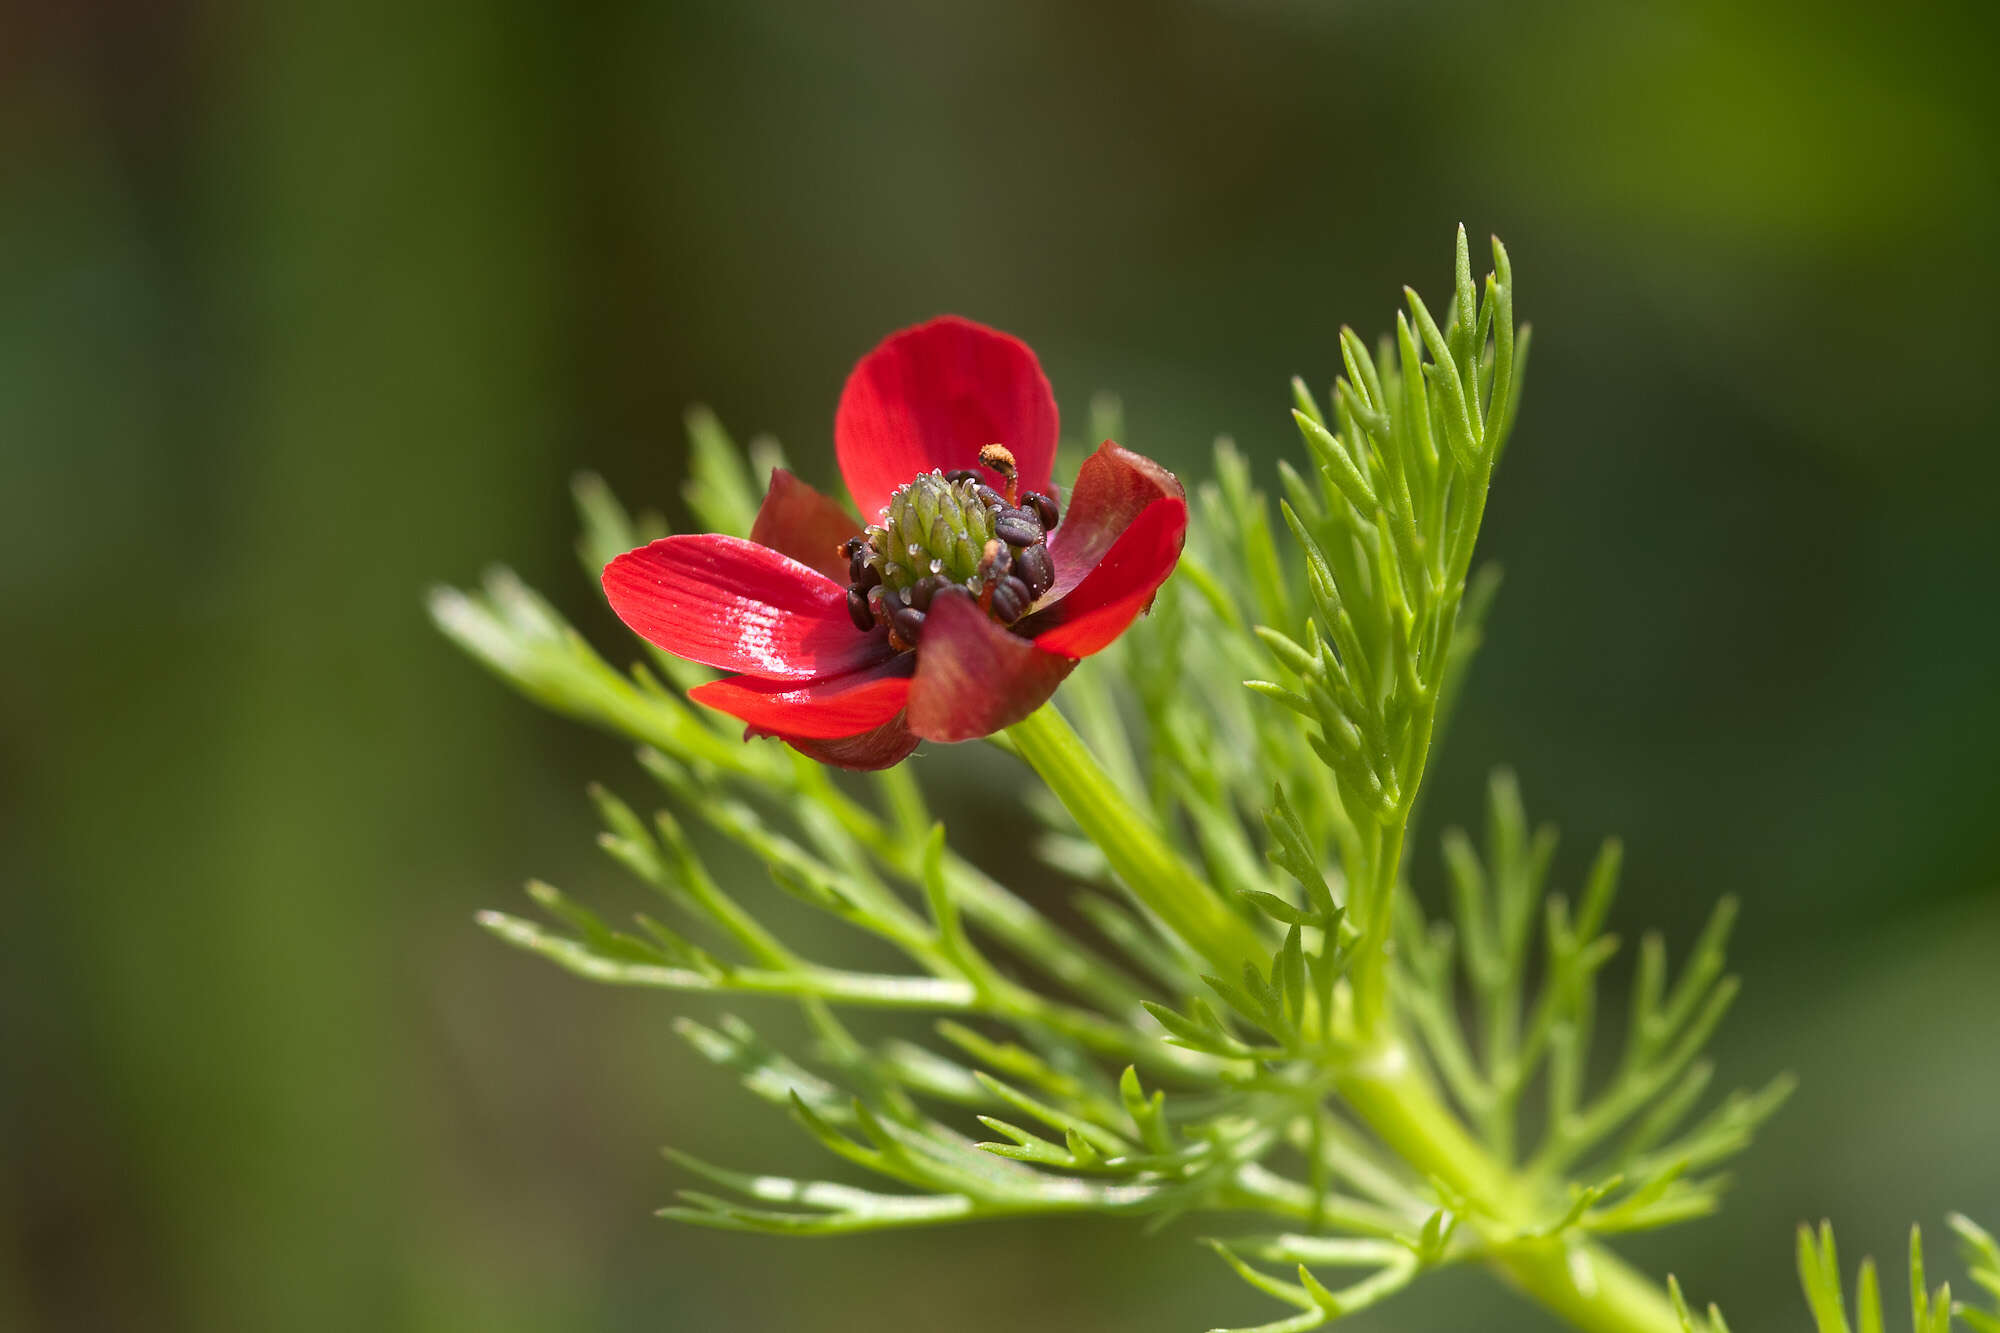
x,y
1646,1175
1932,1309
1259,1016
1711,1321
1982,1264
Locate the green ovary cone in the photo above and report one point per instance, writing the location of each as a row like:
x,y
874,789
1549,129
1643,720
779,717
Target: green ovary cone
x,y
931,526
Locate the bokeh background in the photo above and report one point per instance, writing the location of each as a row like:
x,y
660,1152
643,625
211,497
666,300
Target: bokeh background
x,y
304,307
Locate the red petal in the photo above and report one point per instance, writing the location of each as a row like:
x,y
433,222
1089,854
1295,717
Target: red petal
x,y
884,747
1113,487
1122,585
831,708
931,397
739,606
973,677
798,521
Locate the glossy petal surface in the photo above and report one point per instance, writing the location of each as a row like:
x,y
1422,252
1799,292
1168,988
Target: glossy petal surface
x,y
931,397
798,521
1113,487
830,708
1122,585
974,677
739,606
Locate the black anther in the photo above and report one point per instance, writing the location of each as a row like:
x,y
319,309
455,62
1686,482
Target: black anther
x,y
909,623
862,574
1010,599
920,593
1044,507
858,609
959,474
1033,565
1018,529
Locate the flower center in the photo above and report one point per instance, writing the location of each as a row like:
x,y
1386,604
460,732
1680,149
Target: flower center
x,y
951,530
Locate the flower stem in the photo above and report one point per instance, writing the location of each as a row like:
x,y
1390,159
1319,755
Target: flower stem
x,y
1586,1285
1139,854
1589,1287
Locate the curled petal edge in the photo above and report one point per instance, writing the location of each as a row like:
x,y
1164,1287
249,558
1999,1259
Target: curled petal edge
x,y
1113,487
882,747
1119,589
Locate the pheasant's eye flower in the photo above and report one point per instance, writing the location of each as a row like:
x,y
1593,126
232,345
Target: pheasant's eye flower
x,y
960,607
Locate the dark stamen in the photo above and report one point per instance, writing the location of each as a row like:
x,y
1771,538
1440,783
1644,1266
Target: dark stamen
x,y
951,530
1010,600
1032,564
1017,527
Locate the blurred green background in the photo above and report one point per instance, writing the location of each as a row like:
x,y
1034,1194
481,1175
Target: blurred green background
x,y
303,307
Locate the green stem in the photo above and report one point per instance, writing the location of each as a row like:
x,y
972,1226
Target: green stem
x,y
1370,971
803,981
1139,854
1587,1285
1371,967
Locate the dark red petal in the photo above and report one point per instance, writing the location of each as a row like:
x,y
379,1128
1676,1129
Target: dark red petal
x,y
884,747
1122,585
739,606
973,677
829,708
931,397
798,521
1112,487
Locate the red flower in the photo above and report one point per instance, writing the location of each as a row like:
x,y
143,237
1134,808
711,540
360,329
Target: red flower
x,y
976,600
